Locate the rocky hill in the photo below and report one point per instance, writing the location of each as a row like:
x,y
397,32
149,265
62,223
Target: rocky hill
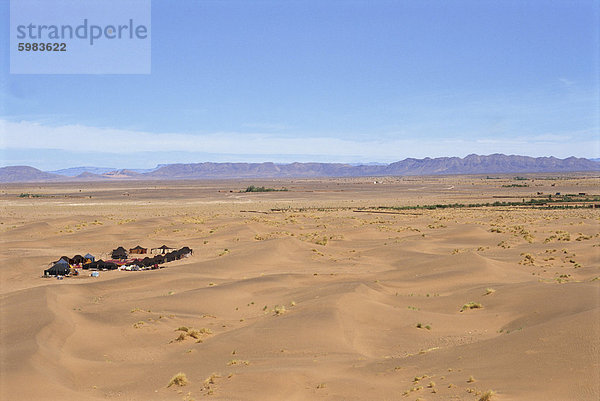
x,y
472,164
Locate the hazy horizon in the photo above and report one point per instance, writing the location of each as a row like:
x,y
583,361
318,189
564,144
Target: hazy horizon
x,y
155,166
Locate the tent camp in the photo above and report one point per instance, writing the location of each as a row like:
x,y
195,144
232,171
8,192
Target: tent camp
x,y
88,261
138,250
60,268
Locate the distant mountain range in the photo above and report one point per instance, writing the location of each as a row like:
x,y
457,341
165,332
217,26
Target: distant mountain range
x,y
75,171
472,164
26,174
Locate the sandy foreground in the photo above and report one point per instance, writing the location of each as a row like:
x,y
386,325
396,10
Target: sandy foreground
x,y
300,295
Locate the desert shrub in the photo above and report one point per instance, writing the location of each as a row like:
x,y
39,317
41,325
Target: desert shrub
x,y
180,379
253,188
238,362
194,334
527,259
322,241
487,396
280,309
210,381
471,305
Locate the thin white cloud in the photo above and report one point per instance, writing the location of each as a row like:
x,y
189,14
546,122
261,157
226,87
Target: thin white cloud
x,y
567,82
384,148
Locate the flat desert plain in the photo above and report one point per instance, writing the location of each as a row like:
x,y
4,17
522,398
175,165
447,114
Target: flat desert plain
x,y
308,294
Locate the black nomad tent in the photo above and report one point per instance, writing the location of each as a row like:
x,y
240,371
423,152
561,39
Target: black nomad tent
x,y
77,259
89,256
138,250
60,268
107,266
147,262
100,265
171,256
119,253
92,265
162,249
185,250
65,258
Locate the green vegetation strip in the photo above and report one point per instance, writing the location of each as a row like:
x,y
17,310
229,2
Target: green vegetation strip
x,y
253,188
26,195
543,203
539,203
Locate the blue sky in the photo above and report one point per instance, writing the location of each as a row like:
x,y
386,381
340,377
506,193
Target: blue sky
x,y
340,81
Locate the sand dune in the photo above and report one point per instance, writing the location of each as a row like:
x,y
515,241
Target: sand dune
x,y
300,295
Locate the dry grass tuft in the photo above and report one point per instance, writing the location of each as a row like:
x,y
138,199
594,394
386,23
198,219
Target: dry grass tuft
x,y
210,382
487,396
186,332
238,362
528,259
194,333
180,379
471,305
